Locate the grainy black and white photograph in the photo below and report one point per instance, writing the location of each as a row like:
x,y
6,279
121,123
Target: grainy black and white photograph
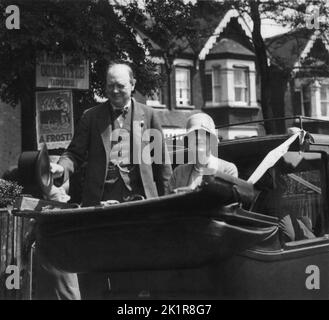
x,y
173,151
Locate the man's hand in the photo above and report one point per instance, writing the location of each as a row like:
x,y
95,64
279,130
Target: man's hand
x,y
57,170
57,194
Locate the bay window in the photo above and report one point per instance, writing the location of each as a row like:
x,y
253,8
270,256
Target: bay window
x,y
314,96
230,83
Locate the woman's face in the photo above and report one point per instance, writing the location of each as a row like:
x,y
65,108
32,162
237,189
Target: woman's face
x,y
199,144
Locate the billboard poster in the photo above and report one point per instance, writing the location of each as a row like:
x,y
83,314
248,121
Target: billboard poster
x,y
54,118
54,71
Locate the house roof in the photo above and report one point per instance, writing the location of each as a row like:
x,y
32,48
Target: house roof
x,y
207,26
156,47
230,46
222,24
210,27
287,49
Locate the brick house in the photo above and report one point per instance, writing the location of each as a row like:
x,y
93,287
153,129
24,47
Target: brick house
x,y
300,76
219,79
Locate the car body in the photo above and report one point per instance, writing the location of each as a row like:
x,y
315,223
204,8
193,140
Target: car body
x,y
193,246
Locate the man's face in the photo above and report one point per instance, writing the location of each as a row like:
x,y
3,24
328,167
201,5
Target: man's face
x,y
119,85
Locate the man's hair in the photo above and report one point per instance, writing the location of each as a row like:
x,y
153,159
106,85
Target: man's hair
x,y
123,63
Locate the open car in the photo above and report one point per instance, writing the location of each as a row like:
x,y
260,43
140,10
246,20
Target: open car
x,y
268,240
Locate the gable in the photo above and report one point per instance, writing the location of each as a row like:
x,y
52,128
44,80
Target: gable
x,y
231,17
299,51
316,62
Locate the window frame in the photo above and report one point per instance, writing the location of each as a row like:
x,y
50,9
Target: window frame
x,y
246,87
214,86
326,86
188,102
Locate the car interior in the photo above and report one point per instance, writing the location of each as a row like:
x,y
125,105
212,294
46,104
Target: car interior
x,y
294,191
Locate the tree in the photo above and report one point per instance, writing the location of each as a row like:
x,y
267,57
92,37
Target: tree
x,y
86,29
98,31
83,29
175,25
292,13
169,24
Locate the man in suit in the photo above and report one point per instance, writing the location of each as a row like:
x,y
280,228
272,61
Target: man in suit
x,y
113,171
110,138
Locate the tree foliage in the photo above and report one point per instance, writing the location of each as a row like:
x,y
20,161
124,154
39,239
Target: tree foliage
x,y
9,191
85,29
99,31
175,27
291,13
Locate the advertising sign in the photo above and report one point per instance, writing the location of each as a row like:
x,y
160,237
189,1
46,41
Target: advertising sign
x,y
56,72
54,118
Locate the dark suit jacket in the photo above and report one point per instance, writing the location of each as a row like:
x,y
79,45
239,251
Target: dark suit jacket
x,y
91,143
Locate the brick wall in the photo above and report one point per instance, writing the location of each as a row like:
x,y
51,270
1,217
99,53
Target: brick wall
x,y
10,136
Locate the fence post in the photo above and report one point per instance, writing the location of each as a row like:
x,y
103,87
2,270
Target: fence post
x,y
12,234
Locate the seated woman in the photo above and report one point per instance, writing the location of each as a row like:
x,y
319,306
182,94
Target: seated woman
x,y
202,142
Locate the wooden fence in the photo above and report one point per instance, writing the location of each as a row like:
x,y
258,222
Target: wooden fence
x,y
15,250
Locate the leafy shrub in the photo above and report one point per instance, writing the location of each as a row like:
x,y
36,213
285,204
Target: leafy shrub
x,y
8,192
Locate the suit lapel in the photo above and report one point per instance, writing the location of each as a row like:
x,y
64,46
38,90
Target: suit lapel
x,y
105,128
139,126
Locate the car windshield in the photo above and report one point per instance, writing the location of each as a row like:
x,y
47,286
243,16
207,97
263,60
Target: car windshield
x,y
293,190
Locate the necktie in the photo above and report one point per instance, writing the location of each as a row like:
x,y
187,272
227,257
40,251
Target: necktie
x,y
121,111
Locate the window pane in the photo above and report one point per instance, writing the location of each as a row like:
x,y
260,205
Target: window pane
x,y
183,86
239,96
217,88
218,93
217,77
324,100
240,77
324,109
306,94
323,93
208,87
241,84
180,75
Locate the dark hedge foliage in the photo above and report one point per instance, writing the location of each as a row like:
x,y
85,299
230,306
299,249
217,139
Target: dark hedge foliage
x,y
8,192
